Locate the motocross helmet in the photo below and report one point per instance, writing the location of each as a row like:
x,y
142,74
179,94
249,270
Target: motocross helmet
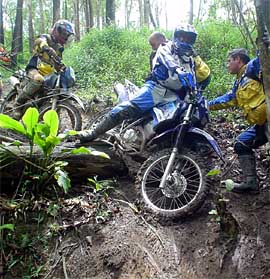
x,y
185,33
62,31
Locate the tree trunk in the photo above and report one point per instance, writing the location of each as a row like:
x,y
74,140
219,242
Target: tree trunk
x,y
30,26
65,9
151,14
110,12
98,13
91,13
56,10
88,15
128,9
2,33
41,18
145,13
244,23
199,10
17,40
141,11
234,16
77,19
158,10
190,20
263,22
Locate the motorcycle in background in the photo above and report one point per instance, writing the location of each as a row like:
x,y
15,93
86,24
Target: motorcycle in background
x,y
55,94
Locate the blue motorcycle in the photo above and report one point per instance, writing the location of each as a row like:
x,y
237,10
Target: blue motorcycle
x,y
173,180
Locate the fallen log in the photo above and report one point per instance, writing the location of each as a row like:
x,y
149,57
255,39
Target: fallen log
x,y
80,166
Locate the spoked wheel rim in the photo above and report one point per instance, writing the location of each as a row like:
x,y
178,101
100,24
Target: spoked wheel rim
x,y
66,118
69,116
182,185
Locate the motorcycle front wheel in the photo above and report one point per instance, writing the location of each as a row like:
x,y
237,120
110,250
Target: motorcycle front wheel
x,y
8,105
69,116
185,188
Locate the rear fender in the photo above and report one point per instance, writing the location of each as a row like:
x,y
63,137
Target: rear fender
x,y
74,98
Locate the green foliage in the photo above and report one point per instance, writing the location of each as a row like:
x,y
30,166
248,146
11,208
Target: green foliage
x,y
7,227
113,54
214,172
104,57
100,197
215,39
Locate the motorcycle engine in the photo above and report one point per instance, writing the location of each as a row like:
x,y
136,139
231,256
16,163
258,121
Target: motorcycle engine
x,y
132,140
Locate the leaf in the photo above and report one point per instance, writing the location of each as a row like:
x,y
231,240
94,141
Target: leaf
x,y
213,212
101,154
229,184
7,122
81,150
72,133
63,180
7,226
51,119
214,172
30,119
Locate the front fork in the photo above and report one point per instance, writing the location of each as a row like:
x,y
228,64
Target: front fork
x,y
178,142
54,103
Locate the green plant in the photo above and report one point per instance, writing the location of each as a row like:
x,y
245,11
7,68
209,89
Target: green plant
x,y
39,171
100,197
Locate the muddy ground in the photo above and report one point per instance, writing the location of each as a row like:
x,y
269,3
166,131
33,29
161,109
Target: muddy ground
x,y
234,243
132,244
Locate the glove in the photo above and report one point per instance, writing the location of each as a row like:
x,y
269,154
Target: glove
x,y
50,51
186,79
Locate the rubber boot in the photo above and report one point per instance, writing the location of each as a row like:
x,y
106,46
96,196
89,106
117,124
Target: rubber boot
x,y
28,93
248,166
108,123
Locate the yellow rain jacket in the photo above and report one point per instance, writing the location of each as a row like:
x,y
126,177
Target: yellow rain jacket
x,y
40,59
201,69
247,94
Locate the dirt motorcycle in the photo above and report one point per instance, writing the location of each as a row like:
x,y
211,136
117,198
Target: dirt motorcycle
x,y
173,179
55,94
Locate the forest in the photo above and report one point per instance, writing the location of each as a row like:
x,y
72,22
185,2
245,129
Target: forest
x,y
152,196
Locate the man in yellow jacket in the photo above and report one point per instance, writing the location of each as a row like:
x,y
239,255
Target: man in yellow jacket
x,y
47,55
247,93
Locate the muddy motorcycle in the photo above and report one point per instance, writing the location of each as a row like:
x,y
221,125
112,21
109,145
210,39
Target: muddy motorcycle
x,y
173,180
55,95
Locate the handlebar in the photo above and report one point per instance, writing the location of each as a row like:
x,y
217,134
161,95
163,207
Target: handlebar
x,y
60,66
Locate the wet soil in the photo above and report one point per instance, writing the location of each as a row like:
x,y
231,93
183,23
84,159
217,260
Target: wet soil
x,y
233,243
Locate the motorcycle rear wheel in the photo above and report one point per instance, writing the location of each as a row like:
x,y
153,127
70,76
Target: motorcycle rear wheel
x,y
185,189
69,116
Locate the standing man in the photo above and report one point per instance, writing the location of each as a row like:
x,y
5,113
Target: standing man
x,y
247,93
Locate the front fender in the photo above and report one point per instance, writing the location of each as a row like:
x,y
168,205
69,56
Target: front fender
x,y
74,98
191,131
213,143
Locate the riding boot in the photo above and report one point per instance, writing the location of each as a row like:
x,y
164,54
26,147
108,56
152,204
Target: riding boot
x,y
109,122
248,166
27,93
